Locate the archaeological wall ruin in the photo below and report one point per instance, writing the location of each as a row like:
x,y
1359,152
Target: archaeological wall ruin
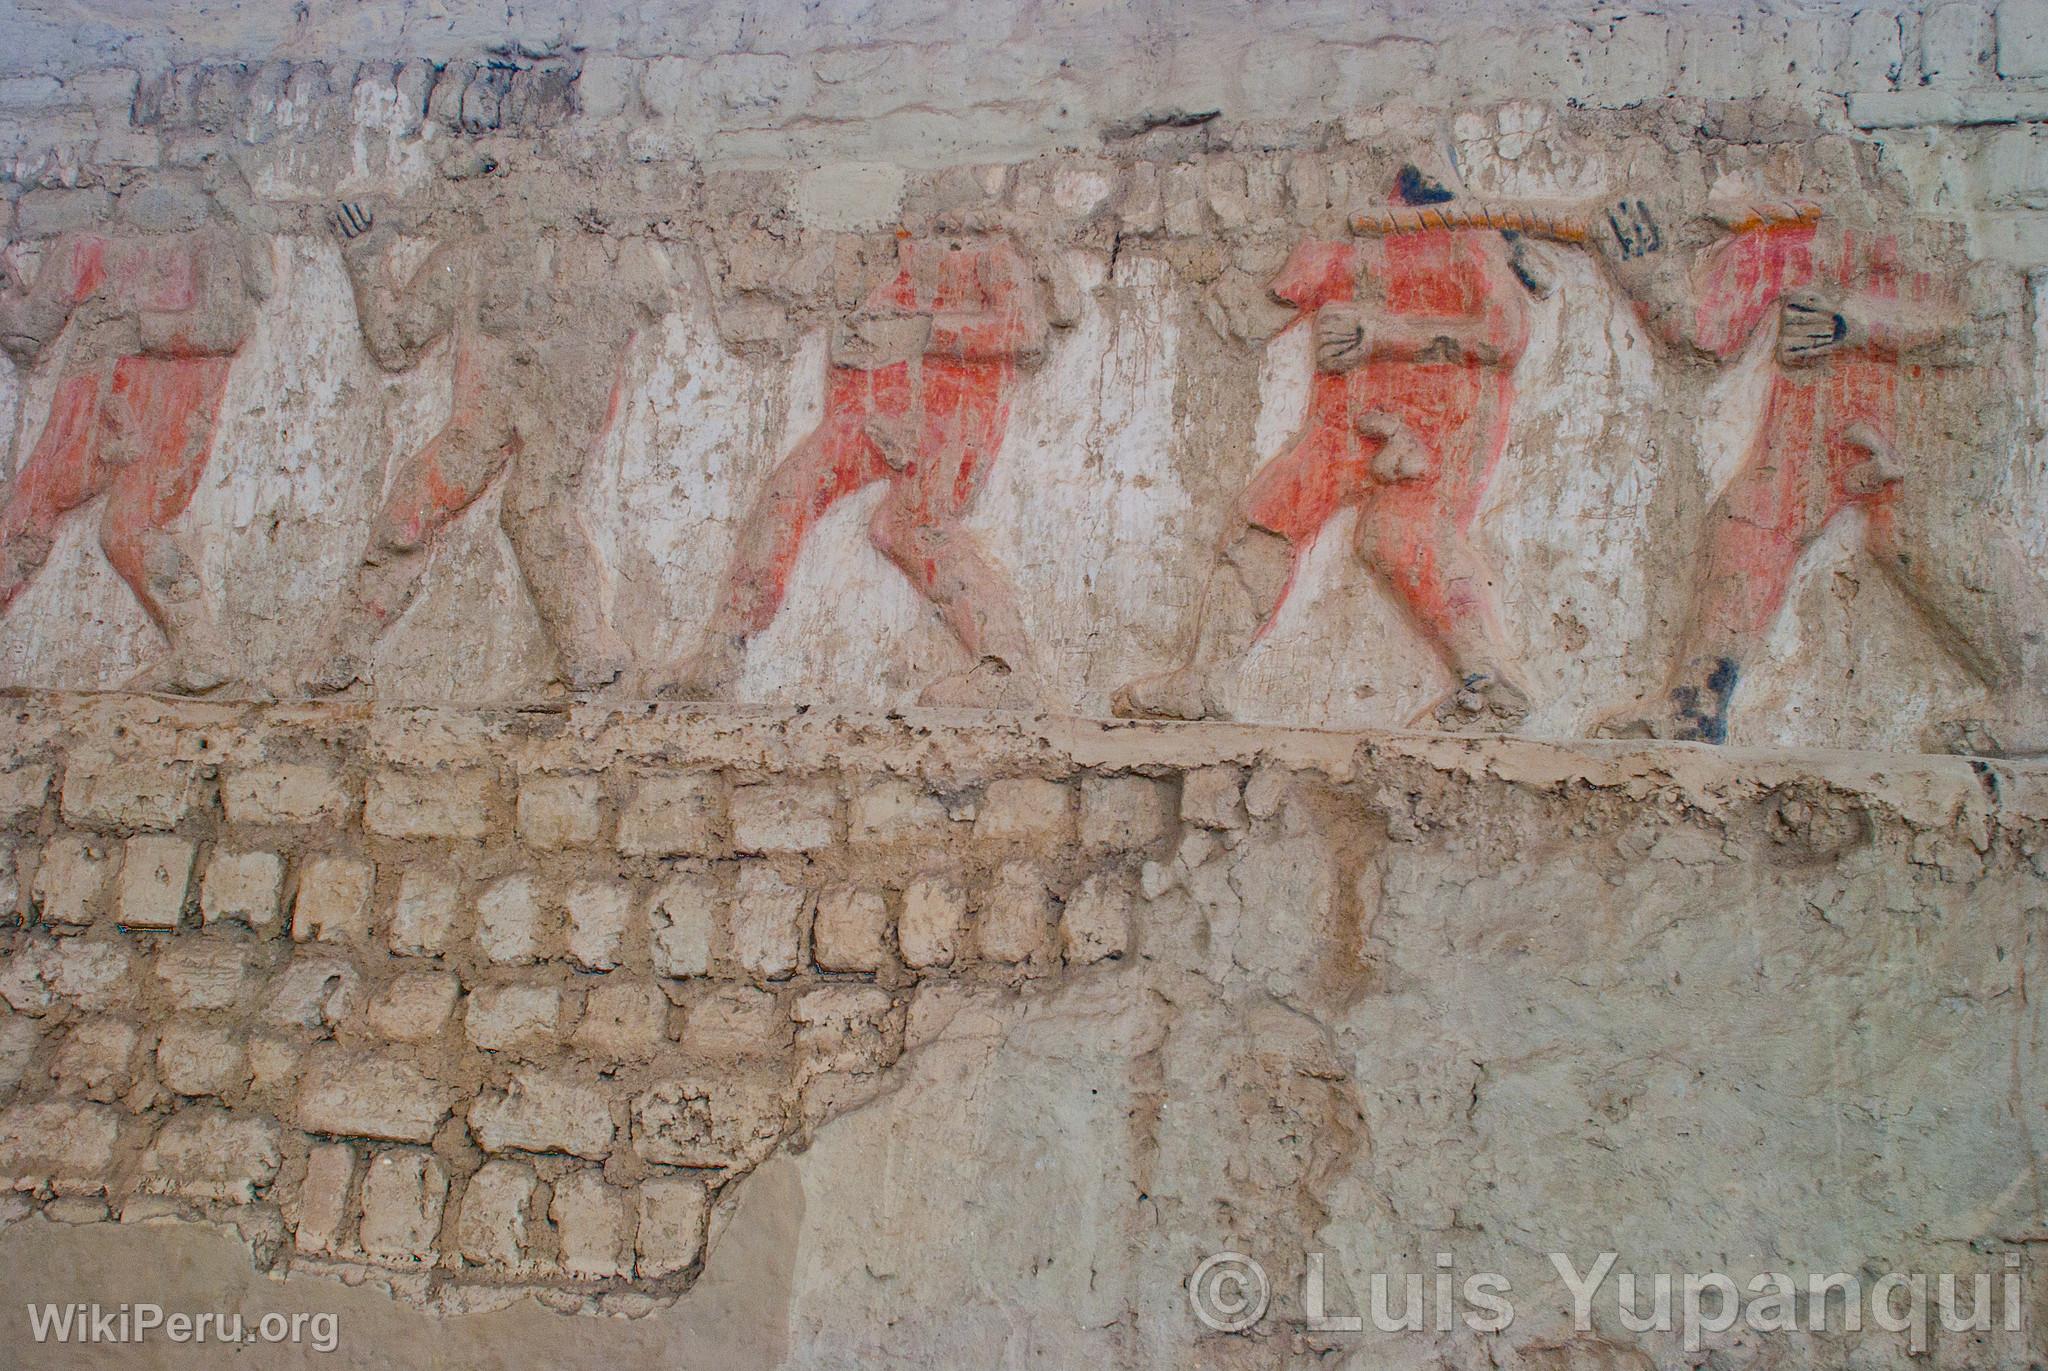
x,y
852,684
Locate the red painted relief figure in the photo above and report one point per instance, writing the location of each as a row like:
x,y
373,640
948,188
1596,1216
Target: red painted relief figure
x,y
1416,336
1857,325
155,305
918,397
539,320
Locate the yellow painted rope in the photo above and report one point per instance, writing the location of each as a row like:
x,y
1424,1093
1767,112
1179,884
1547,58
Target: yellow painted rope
x,y
1561,226
1536,223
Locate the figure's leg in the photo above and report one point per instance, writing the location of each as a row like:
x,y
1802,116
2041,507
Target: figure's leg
x,y
949,568
1271,526
62,473
164,414
1779,500
1982,620
565,573
543,520
833,461
941,467
1406,534
1756,533
437,483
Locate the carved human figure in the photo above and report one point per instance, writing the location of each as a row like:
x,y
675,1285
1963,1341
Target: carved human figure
x,y
153,308
918,396
538,319
1416,337
1857,326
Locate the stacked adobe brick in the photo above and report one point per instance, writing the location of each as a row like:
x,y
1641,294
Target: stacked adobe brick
x,y
491,1025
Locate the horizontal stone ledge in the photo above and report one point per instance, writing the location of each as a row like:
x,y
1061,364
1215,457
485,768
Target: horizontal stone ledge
x,y
947,747
1902,109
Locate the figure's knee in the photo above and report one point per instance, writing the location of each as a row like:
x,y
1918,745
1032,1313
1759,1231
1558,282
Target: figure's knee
x,y
797,482
22,555
123,539
54,482
537,506
29,512
909,536
471,453
1399,542
395,532
1248,516
1257,552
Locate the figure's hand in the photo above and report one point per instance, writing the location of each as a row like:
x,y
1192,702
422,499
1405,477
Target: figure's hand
x,y
1632,242
21,348
351,220
1339,338
1812,326
1529,268
1632,230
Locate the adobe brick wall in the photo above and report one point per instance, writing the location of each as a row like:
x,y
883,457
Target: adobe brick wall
x,y
532,1030
454,982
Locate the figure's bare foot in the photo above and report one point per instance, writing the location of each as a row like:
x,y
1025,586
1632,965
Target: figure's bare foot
x,y
1984,738
1963,738
1484,702
333,673
1178,694
1631,723
1696,710
595,661
988,684
709,673
199,662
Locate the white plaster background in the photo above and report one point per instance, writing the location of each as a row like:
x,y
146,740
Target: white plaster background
x,y
1094,509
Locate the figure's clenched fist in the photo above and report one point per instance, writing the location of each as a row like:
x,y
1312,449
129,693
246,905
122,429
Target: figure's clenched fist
x,y
1633,230
1811,326
351,220
1339,338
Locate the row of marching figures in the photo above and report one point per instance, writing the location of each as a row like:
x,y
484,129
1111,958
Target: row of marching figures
x,y
1414,321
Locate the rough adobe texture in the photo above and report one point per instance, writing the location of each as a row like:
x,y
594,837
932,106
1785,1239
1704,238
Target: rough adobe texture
x,y
1316,955
499,368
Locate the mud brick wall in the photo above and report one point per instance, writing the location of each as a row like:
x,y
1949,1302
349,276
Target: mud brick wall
x,y
576,1002
752,667
497,1003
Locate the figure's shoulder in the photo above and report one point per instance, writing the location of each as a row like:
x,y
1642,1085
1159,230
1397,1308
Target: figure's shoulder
x,y
996,247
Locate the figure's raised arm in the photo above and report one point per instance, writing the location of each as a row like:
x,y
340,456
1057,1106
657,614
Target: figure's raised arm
x,y
33,313
1710,293
399,322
